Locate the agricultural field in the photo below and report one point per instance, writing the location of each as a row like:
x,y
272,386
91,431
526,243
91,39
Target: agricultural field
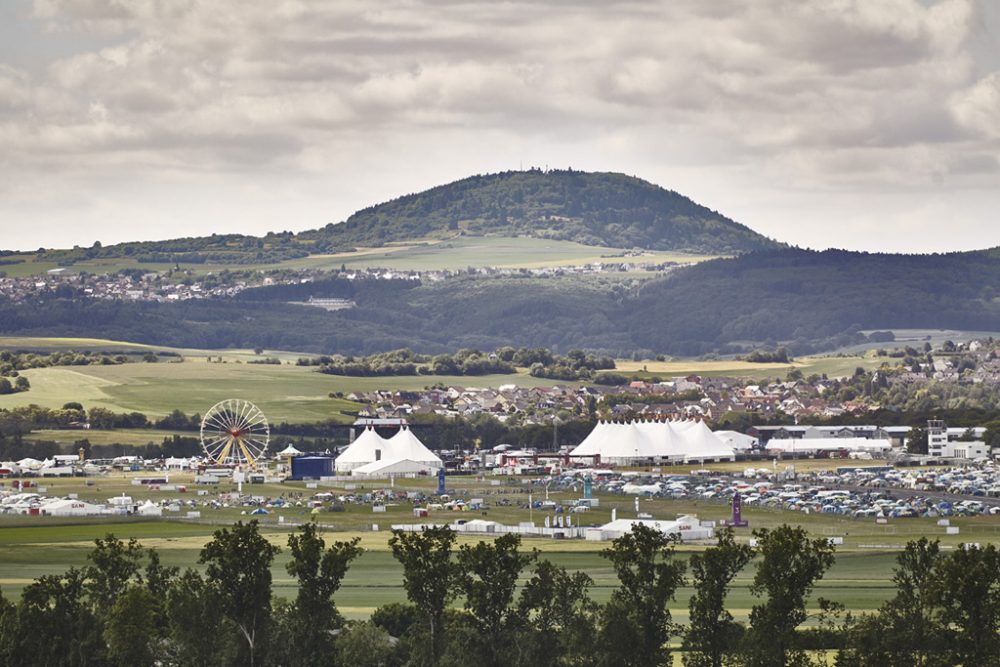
x,y
286,393
122,436
197,379
831,366
33,546
457,253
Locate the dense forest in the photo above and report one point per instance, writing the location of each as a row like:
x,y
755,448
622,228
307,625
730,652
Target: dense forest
x,y
805,298
601,209
495,604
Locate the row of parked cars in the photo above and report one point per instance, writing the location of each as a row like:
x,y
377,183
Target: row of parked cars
x,y
862,493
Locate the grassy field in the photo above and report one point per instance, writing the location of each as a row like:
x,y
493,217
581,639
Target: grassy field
x,y
291,393
457,253
121,436
284,392
860,579
831,366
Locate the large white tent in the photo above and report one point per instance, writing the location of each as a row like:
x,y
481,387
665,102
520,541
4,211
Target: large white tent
x,y
367,447
628,443
406,446
370,447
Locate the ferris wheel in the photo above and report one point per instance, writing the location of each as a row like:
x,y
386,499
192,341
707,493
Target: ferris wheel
x,y
234,432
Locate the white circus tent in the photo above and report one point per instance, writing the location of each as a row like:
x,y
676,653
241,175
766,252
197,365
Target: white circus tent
x,y
369,448
404,446
636,443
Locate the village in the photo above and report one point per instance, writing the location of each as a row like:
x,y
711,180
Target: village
x,y
180,284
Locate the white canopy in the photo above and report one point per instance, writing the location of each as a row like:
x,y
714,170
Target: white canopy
x,y
289,451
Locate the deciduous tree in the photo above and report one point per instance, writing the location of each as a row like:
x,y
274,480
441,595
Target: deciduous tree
x,y
428,575
636,623
239,570
712,632
791,564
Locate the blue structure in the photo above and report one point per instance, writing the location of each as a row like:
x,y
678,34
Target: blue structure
x,y
312,467
441,490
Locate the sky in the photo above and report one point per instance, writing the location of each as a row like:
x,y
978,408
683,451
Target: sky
x,y
869,125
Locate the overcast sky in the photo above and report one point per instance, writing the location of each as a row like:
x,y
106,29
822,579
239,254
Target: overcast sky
x,y
848,123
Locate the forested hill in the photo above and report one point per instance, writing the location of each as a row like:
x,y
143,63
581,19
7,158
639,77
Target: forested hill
x,y
603,209
801,295
805,300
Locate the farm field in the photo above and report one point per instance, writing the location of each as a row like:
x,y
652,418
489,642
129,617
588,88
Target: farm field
x,y
288,393
457,253
55,344
122,436
860,579
831,366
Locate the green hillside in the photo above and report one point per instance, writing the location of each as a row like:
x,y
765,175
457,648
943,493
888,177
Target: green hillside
x,y
601,209
610,211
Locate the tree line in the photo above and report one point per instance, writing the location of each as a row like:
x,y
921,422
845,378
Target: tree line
x,y
541,362
494,604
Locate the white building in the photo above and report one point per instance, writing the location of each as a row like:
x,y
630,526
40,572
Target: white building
x,y
952,443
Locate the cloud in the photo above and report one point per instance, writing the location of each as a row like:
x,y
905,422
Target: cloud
x,y
795,96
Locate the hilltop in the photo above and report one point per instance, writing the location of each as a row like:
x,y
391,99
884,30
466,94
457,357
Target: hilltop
x,y
600,209
603,210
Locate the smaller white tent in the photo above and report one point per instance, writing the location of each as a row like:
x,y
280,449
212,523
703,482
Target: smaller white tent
x,y
29,464
173,463
687,527
371,448
289,451
149,508
737,441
